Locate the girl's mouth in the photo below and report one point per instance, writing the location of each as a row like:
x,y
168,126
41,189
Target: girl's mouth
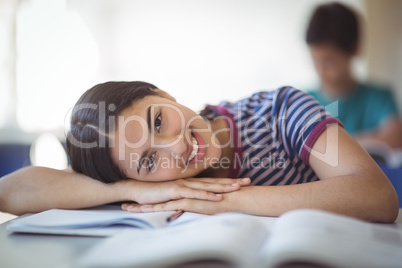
x,y
195,149
198,148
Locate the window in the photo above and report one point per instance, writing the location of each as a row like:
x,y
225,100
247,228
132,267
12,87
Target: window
x,y
57,58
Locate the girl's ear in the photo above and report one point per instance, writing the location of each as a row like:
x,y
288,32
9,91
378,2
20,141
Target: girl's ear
x,y
162,93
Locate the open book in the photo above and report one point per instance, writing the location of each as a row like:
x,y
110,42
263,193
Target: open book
x,y
301,238
96,222
296,239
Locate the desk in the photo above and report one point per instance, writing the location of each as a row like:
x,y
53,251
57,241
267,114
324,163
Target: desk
x,y
48,251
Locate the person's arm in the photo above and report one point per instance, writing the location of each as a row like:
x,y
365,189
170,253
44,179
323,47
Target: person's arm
x,y
35,189
389,133
351,184
386,116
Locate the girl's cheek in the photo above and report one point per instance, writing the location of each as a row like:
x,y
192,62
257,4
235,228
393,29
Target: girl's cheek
x,y
167,172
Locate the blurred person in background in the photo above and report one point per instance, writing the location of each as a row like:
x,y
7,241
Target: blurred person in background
x,y
367,110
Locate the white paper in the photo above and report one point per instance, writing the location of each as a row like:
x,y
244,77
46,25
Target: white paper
x,y
87,222
231,238
326,238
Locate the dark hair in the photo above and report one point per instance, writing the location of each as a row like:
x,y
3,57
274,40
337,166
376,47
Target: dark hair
x,y
88,139
336,24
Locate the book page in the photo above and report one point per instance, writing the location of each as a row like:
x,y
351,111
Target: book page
x,y
312,236
224,238
59,221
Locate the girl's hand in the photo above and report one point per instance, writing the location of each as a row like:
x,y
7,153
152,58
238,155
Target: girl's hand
x,y
192,188
230,202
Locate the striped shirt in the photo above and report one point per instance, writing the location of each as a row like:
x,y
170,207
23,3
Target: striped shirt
x,y
272,133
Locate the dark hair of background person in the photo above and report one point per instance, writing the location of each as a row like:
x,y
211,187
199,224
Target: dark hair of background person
x,y
336,24
89,125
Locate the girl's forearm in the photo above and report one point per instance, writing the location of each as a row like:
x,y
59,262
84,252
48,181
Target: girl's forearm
x,y
350,195
34,189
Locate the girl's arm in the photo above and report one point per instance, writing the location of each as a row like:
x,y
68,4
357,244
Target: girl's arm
x,y
34,189
351,184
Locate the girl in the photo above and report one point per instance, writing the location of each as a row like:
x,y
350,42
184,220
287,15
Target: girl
x,y
264,155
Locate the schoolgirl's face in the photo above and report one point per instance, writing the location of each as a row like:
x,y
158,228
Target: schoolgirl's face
x,y
158,139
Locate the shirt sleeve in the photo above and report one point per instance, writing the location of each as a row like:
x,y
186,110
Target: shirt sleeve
x,y
299,120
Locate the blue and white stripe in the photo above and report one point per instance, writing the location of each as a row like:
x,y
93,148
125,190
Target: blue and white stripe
x,y
274,126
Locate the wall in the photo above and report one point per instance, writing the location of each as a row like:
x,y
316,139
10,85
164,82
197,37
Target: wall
x,y
204,51
384,57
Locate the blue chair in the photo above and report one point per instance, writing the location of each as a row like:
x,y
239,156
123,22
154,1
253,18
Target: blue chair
x,y
13,157
395,176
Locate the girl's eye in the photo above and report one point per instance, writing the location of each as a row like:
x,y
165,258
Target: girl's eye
x,y
151,162
158,122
